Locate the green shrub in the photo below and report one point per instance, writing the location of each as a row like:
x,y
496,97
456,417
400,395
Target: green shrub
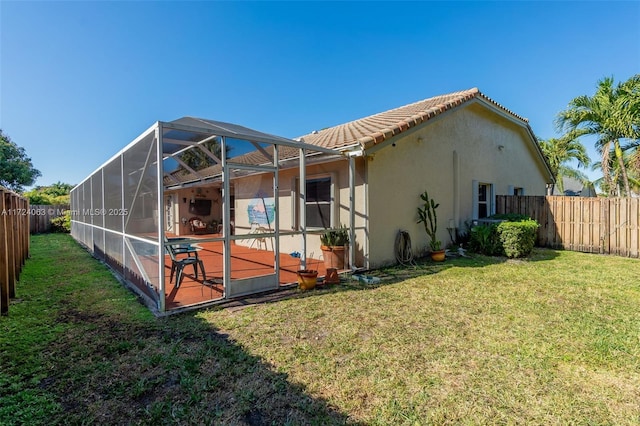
x,y
62,224
484,239
517,238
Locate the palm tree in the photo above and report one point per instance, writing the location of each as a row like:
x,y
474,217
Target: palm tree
x,y
630,124
631,161
560,151
611,115
630,109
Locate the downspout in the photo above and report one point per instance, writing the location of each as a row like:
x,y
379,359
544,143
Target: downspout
x,y
352,206
456,190
352,209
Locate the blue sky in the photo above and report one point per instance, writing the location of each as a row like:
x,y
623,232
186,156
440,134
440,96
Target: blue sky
x,y
80,80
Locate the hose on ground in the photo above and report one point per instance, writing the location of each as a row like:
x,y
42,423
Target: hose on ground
x,y
404,254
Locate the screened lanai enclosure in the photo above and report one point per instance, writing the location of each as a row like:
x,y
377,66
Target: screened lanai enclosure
x,y
194,212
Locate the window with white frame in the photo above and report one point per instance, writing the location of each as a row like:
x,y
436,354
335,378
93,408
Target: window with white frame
x,y
319,202
483,200
515,190
483,196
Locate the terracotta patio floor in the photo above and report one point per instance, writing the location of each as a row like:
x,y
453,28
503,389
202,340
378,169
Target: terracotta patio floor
x,y
246,262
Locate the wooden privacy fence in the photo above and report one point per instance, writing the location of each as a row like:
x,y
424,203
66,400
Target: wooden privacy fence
x,y
592,225
14,243
40,216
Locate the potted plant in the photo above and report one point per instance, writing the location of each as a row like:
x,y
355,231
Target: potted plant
x,y
334,244
428,216
307,278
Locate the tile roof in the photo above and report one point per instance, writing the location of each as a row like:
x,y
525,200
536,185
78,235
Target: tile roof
x,y
376,128
366,132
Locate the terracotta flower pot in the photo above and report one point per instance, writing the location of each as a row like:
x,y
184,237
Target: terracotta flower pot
x,y
331,277
333,256
438,256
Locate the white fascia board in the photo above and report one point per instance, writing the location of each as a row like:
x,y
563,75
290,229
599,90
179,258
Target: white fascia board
x,y
354,150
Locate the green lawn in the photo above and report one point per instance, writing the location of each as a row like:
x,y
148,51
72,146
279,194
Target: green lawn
x,y
554,339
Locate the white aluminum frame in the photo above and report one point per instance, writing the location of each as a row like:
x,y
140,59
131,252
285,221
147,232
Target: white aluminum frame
x,y
157,130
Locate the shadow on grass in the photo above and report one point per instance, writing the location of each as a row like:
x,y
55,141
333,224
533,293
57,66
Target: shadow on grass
x,y
103,360
176,370
111,367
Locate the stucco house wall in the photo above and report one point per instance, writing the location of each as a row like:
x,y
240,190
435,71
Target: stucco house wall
x,y
489,149
449,144
246,190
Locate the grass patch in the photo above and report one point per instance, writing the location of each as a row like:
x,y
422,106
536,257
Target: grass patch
x,y
79,349
554,339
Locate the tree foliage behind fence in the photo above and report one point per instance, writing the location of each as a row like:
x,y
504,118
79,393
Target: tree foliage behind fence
x,y
14,243
592,225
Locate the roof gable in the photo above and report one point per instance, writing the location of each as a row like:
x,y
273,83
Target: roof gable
x,y
372,130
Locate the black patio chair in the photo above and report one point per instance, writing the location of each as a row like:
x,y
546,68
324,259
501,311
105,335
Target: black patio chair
x,y
178,263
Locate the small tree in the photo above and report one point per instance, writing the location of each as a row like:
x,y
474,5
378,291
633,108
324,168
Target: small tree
x,y
58,193
16,170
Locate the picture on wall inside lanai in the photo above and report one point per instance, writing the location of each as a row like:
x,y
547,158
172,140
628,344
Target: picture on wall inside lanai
x,y
261,209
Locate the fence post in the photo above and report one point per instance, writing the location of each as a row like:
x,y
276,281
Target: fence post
x,y
14,243
24,231
4,260
11,258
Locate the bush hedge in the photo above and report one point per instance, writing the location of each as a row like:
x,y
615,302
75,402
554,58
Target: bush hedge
x,y
484,239
518,238
515,237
